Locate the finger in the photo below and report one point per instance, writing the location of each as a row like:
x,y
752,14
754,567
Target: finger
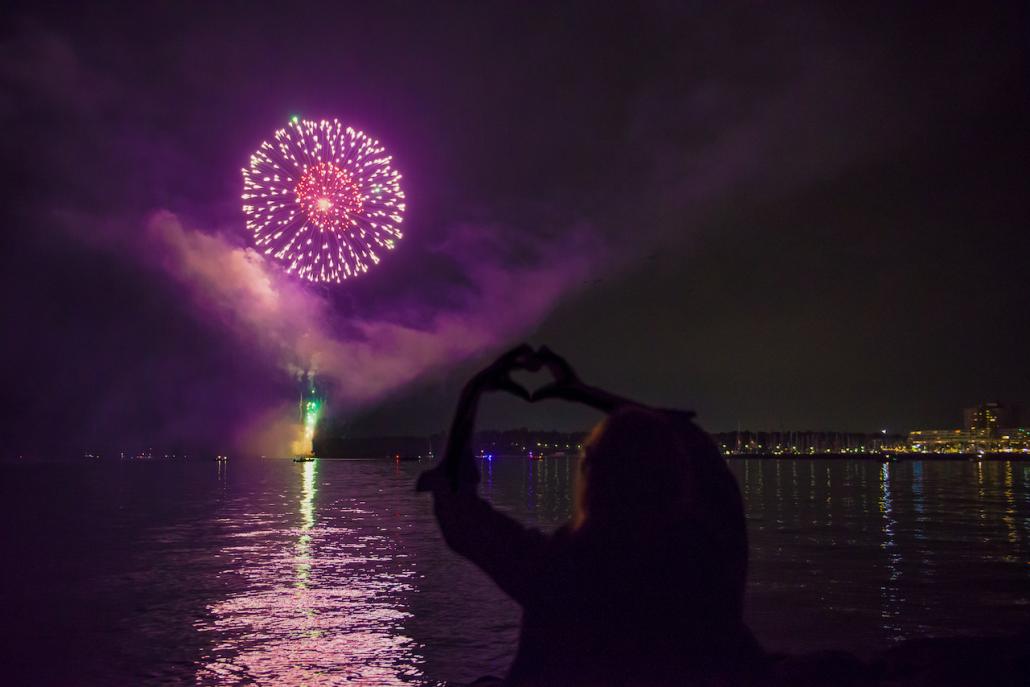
x,y
521,357
555,363
505,361
530,361
520,351
549,357
517,389
549,391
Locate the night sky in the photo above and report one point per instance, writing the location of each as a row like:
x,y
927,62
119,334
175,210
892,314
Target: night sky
x,y
783,217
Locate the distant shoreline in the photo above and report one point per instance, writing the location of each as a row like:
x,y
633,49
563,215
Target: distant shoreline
x,y
881,457
886,457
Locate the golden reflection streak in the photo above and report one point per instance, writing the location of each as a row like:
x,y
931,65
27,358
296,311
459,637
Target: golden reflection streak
x,y
829,498
307,516
889,591
1010,505
981,508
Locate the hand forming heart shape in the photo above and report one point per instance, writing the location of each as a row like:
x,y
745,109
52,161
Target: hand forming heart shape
x,y
497,376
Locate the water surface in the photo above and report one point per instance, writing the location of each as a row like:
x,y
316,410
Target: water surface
x,y
333,572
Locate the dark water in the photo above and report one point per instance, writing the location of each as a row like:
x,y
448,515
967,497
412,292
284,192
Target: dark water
x,y
333,572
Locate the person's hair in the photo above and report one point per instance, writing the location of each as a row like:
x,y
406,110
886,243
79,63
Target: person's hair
x,y
649,476
634,469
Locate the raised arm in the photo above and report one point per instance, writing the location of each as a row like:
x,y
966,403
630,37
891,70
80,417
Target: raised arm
x,y
457,466
503,548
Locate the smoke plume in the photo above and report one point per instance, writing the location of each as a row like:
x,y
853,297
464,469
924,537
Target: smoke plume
x,y
366,358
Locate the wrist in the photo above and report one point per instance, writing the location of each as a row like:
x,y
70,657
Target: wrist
x,y
473,389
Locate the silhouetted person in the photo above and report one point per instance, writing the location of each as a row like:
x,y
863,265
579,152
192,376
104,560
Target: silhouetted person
x,y
645,585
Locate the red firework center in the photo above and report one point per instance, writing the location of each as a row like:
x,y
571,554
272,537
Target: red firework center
x,y
329,196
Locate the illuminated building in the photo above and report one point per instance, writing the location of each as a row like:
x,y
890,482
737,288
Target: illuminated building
x,y
987,418
987,428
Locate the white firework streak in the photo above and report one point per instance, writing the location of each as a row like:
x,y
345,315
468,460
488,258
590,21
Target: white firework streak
x,y
323,200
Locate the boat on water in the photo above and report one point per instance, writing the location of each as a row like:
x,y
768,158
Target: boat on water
x,y
304,459
406,457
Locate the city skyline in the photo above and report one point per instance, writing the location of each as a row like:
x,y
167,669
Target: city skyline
x,y
987,427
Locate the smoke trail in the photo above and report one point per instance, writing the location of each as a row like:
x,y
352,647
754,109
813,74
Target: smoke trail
x,y
291,324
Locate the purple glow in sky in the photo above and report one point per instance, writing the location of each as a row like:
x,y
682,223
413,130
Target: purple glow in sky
x,y
779,215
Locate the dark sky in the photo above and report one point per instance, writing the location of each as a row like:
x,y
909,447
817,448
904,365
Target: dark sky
x,y
783,216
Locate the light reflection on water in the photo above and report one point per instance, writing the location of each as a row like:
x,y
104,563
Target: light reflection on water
x,y
891,597
327,609
330,573
869,554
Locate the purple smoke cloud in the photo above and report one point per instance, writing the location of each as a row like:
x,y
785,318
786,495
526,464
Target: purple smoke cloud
x,y
370,357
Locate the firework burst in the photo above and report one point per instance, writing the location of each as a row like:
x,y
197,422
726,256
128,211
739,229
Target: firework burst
x,y
323,200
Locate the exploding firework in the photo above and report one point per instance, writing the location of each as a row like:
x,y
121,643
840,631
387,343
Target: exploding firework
x,y
323,200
